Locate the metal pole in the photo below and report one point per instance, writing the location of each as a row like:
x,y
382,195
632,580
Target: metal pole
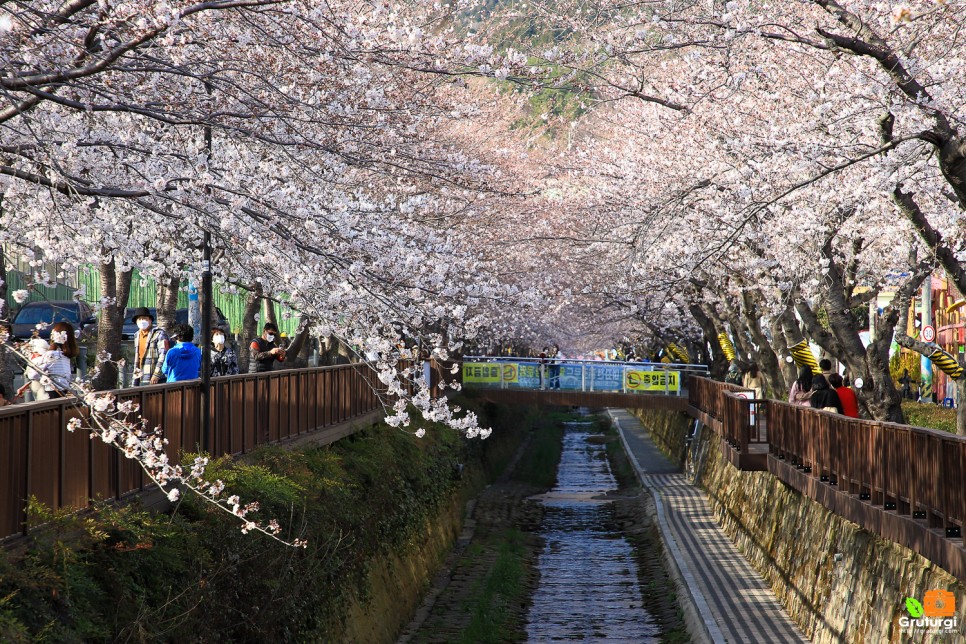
x,y
206,347
925,363
206,315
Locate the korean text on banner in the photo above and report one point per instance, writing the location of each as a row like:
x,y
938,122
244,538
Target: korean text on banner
x,y
489,372
652,380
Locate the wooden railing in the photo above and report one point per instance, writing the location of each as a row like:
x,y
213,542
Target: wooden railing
x,y
743,421
38,457
708,396
904,483
914,471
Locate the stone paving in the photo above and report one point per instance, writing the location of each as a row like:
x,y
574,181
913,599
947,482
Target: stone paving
x,y
728,600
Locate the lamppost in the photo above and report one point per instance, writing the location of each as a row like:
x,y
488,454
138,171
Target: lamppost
x,y
206,306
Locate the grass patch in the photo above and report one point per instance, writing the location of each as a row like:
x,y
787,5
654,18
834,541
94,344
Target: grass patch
x,y
503,586
539,467
927,415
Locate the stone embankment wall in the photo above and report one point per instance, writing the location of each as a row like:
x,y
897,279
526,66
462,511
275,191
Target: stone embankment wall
x,y
397,582
840,583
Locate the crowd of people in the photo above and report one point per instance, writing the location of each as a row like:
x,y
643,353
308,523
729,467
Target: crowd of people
x,y
159,356
827,390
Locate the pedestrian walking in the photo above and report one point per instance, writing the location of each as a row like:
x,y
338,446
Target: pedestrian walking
x,y
906,383
752,380
224,359
183,360
53,369
801,390
555,358
151,343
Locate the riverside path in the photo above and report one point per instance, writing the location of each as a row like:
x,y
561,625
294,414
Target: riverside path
x,y
724,597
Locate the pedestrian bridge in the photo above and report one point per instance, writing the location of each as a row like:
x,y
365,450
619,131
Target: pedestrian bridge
x,y
582,383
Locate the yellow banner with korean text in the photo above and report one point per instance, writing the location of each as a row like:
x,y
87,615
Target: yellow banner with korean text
x,y
490,372
635,380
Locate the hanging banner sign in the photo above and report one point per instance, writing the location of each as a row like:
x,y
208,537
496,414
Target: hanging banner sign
x,y
527,376
489,372
652,380
606,377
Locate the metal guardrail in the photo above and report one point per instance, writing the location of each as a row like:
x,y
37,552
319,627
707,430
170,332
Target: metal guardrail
x,y
660,378
38,457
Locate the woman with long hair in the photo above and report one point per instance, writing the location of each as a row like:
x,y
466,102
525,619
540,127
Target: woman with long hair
x,y
801,391
824,397
752,380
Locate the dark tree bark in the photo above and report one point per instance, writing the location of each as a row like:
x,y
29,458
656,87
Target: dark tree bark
x,y
333,351
878,394
784,328
168,302
115,287
296,356
8,362
718,363
768,362
249,327
270,313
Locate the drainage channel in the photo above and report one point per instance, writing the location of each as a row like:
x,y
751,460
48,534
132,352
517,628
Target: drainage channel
x,y
589,586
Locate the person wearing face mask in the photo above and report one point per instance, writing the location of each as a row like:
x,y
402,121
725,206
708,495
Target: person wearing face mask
x,y
53,369
224,360
264,350
150,346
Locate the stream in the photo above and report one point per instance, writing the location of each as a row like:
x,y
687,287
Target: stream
x,y
589,586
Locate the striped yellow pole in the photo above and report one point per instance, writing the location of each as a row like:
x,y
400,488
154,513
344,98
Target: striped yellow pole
x,y
804,357
947,363
727,348
680,353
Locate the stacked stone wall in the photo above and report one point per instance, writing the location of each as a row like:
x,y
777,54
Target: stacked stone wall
x,y
840,583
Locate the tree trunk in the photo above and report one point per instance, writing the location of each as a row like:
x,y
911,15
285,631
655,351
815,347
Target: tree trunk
x,y
8,362
115,288
167,303
294,358
717,363
270,315
249,328
780,342
334,352
768,363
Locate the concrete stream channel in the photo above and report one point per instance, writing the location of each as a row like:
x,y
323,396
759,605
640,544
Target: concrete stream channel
x,y
595,566
589,587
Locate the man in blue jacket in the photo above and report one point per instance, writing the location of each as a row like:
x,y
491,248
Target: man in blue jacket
x,y
183,360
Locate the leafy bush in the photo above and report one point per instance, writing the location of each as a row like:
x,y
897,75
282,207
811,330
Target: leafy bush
x,y
121,573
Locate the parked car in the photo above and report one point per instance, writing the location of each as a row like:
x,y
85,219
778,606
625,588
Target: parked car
x,y
33,313
181,317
